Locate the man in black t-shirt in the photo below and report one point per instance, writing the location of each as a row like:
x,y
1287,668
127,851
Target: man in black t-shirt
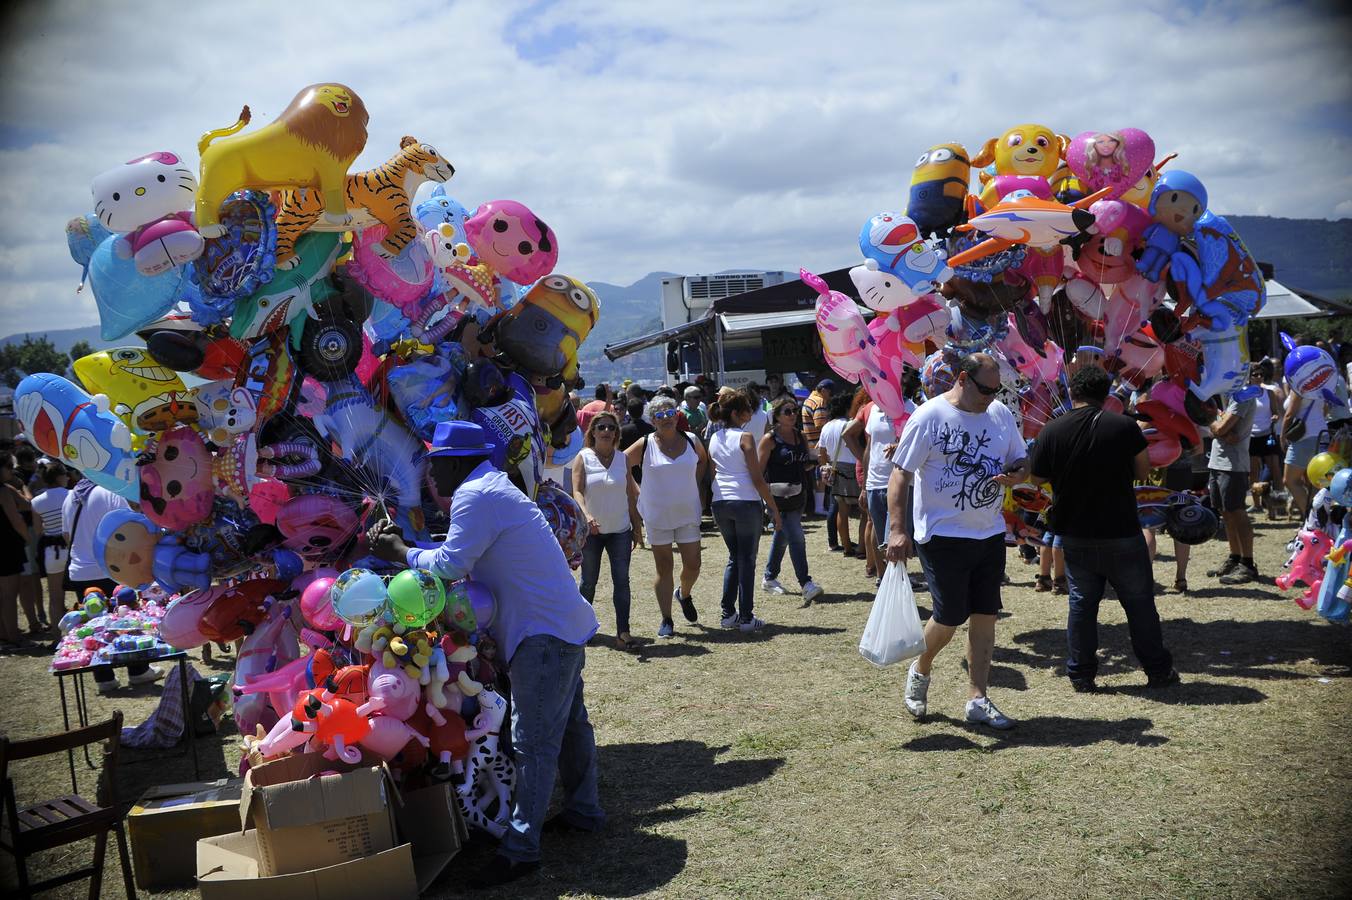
x,y
1091,457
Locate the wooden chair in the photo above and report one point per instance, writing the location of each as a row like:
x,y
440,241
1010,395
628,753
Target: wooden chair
x,y
53,823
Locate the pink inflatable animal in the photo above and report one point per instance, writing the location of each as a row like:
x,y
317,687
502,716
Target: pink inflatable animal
x,y
403,280
1307,566
850,348
272,645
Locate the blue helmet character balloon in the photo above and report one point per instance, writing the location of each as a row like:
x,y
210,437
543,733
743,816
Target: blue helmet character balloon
x,y
68,424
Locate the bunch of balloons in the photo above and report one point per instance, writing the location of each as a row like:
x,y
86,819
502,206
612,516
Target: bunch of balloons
x,y
1320,565
301,331
1060,245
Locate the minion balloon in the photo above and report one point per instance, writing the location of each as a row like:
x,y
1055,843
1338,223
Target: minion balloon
x,y
542,333
938,188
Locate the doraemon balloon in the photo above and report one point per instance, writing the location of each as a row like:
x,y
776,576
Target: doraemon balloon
x,y
66,423
893,241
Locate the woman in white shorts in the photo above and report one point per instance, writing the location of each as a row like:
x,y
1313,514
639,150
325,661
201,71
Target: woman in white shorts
x,y
669,503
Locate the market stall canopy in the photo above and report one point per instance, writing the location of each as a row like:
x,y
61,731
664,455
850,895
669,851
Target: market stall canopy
x,y
686,330
791,295
1287,303
766,321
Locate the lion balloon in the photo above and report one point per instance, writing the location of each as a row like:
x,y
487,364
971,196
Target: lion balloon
x,y
310,145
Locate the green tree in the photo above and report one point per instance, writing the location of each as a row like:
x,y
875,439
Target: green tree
x,y
80,349
29,356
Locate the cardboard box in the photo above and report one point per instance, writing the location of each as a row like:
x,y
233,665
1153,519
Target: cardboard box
x,y
166,823
430,820
313,821
229,867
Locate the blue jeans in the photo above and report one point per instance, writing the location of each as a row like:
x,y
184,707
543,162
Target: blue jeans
x,y
877,513
832,504
739,521
1125,564
789,535
550,732
618,547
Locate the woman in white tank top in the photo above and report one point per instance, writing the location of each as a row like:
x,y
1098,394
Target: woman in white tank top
x,y
739,491
673,465
606,493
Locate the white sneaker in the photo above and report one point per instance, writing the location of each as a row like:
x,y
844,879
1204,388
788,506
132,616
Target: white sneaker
x,y
754,625
729,621
771,586
917,692
983,712
107,687
154,673
811,591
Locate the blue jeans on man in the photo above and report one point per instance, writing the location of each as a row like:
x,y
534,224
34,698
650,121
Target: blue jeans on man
x,y
1093,563
740,523
618,546
789,536
550,733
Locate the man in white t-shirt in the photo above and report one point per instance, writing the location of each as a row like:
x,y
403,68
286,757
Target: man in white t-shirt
x,y
962,448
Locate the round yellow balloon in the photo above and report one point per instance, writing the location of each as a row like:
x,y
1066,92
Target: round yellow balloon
x,y
1321,468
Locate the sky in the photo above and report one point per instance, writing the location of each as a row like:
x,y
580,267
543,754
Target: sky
x,y
683,136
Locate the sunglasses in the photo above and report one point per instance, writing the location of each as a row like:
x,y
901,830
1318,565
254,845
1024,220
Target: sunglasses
x,y
788,411
606,427
665,414
983,390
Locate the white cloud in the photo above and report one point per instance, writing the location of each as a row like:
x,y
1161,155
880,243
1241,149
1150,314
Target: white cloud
x,y
679,136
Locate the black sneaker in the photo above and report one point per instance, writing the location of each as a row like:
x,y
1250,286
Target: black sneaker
x,y
501,870
687,606
1084,685
1155,682
1224,568
1240,574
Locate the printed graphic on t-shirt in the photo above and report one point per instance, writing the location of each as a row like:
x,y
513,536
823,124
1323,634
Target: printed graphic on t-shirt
x,y
968,469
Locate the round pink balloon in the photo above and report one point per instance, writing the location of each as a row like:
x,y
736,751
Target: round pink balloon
x,y
316,604
179,628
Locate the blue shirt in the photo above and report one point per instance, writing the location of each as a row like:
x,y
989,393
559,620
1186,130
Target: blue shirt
x,y
499,537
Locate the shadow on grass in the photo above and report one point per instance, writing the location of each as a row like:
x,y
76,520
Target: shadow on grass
x,y
1225,592
1040,731
709,635
639,785
1193,693
1256,650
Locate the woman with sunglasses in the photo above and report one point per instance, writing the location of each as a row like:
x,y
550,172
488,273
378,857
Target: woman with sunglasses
x,y
607,496
739,491
784,459
673,466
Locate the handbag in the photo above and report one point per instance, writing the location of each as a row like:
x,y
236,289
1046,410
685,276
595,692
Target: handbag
x,y
893,632
1295,429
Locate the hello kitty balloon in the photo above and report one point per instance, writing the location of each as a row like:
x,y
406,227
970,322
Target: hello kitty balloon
x,y
144,201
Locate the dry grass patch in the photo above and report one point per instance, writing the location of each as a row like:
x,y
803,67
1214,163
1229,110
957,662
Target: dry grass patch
x,y
784,765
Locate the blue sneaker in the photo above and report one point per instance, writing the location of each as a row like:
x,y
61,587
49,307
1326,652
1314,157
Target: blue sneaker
x,y
666,629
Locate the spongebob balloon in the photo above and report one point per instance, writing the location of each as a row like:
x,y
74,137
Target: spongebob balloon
x,y
144,394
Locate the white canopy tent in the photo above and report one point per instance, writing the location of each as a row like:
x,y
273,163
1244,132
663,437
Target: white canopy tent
x,y
1283,303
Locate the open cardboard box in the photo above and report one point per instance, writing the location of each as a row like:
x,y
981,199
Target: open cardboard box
x,y
246,865
229,868
166,823
309,820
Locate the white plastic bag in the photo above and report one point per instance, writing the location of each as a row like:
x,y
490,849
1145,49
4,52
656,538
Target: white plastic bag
x,y
893,632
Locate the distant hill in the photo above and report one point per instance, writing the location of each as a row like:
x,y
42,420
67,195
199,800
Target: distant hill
x,y
1311,254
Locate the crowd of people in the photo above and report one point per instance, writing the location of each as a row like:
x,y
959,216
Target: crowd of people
x,y
761,457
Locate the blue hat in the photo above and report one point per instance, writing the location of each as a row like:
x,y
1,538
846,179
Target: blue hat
x,y
1178,180
457,438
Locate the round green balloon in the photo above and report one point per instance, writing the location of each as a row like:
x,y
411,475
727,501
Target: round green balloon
x,y
416,598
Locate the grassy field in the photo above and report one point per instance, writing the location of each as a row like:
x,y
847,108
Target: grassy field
x,y
785,765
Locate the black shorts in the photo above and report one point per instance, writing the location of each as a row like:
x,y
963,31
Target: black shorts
x,y
964,576
1261,445
1229,491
